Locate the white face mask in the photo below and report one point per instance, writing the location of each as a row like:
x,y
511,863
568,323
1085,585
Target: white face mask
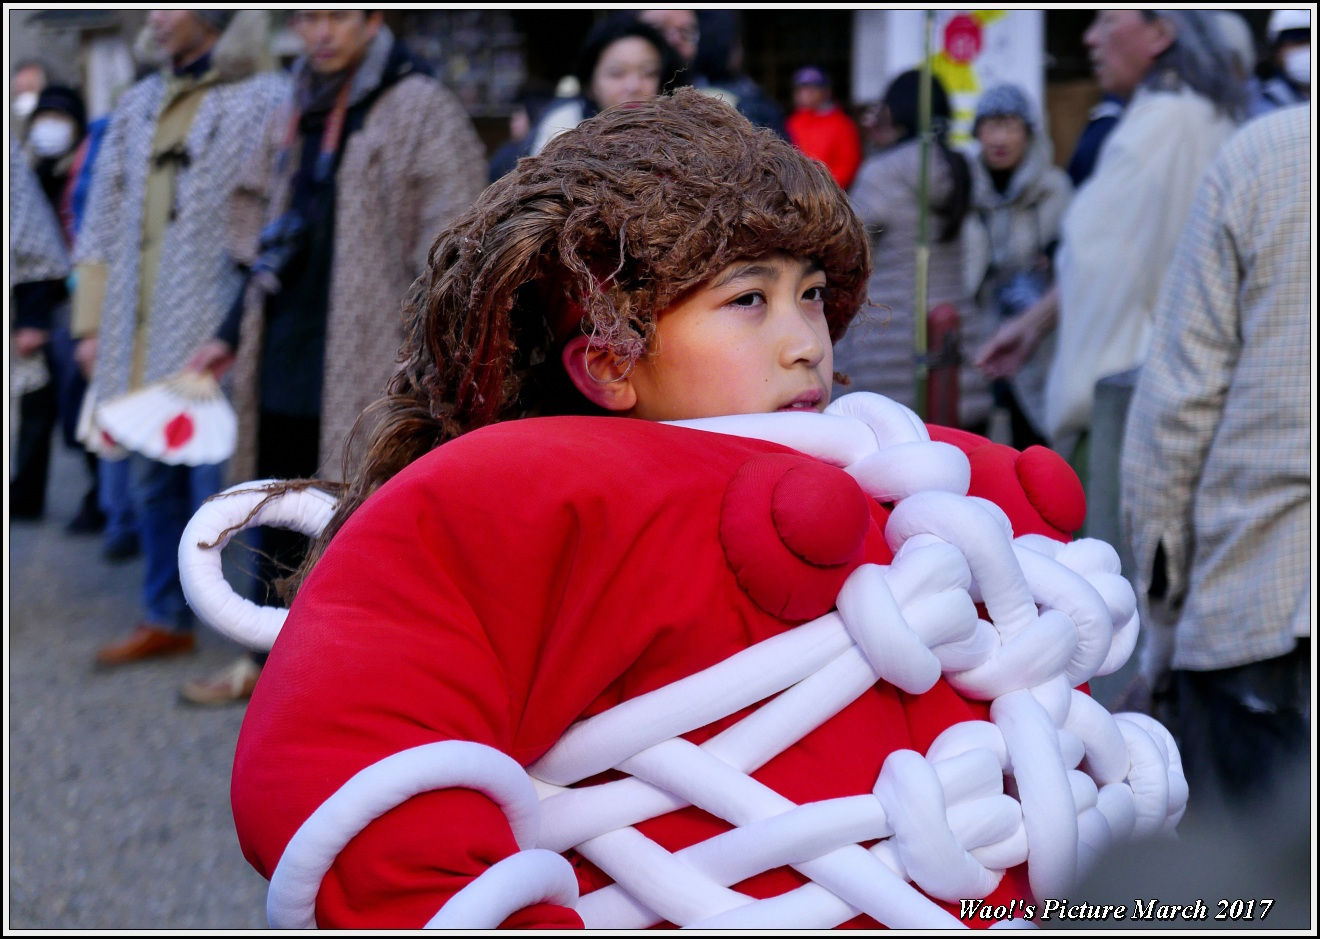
x,y
24,104
1297,66
51,136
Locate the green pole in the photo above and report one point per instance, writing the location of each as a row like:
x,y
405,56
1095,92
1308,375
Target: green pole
x,y
923,220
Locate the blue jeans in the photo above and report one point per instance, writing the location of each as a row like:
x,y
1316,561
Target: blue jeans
x,y
116,500
165,498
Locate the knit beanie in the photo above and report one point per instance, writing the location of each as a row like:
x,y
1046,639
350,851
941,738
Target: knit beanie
x,y
65,100
217,20
902,98
1004,101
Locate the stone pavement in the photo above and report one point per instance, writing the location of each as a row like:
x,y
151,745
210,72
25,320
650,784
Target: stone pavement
x,y
117,795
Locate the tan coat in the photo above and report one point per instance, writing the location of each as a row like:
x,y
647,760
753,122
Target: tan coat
x,y
416,164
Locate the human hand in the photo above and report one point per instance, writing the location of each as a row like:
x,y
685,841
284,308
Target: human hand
x,y
1008,349
27,340
215,356
85,355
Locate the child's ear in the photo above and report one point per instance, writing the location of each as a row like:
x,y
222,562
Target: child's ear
x,y
599,374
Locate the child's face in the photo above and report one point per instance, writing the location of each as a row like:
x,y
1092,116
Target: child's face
x,y
752,340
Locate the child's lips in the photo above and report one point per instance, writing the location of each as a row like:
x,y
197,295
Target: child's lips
x,y
807,401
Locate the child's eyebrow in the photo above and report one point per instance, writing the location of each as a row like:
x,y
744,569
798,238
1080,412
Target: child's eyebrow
x,y
762,268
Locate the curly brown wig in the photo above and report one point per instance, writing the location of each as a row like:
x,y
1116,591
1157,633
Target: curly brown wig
x,y
611,224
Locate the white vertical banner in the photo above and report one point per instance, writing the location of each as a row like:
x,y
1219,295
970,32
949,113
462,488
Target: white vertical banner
x,y
109,72
971,50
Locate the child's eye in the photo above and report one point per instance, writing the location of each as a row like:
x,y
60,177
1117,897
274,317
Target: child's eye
x,y
815,294
748,299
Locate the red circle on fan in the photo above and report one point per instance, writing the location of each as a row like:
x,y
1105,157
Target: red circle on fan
x,y
178,431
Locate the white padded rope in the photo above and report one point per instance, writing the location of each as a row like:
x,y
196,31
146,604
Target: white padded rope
x,y
596,744
840,441
291,901
1081,778
209,594
518,881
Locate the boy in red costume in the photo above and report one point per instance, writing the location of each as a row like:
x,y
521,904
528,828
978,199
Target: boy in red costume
x,y
700,659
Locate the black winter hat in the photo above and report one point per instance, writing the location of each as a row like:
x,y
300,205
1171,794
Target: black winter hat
x,y
65,100
901,99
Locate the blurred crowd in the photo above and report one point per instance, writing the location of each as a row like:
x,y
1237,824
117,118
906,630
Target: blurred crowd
x,y
264,226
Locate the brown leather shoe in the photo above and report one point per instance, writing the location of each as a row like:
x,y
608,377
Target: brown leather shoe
x,y
232,685
148,641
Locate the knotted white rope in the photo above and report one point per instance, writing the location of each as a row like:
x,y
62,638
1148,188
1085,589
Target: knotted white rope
x,y
1081,778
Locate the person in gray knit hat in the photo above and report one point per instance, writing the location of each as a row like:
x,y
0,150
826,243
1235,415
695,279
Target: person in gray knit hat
x,y
1018,200
1006,100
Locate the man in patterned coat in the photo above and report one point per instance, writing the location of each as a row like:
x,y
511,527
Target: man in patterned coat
x,y
154,281
1217,468
334,215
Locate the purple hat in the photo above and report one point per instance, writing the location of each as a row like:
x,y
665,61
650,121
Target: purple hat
x,y
810,76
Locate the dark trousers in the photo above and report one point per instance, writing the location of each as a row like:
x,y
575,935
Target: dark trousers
x,y
38,415
1024,434
287,448
1241,730
57,402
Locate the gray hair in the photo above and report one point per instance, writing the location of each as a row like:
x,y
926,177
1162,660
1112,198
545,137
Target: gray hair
x,y
1199,58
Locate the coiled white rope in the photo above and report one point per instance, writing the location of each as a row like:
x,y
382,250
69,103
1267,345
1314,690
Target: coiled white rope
x,y
213,526
1058,615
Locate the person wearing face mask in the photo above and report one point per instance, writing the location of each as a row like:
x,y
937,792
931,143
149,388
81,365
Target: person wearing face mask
x,y
623,59
1287,78
38,266
56,141
57,126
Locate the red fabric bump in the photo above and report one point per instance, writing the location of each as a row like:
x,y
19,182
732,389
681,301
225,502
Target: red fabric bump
x,y
820,513
1052,488
772,572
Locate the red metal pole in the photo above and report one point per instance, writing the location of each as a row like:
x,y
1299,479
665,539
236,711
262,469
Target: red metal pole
x,y
943,359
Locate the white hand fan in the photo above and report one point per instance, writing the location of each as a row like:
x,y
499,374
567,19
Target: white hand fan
x,y
88,433
183,420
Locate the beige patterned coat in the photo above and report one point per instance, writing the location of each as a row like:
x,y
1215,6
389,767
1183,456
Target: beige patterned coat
x,y
416,164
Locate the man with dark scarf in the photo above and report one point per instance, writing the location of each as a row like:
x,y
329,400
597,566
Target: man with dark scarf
x,y
337,165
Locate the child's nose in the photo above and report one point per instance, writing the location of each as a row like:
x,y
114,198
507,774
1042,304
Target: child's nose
x,y
803,341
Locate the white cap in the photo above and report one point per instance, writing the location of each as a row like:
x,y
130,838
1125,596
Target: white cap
x,y
1283,20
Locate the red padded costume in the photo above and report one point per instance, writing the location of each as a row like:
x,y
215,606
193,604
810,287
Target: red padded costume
x,y
536,572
